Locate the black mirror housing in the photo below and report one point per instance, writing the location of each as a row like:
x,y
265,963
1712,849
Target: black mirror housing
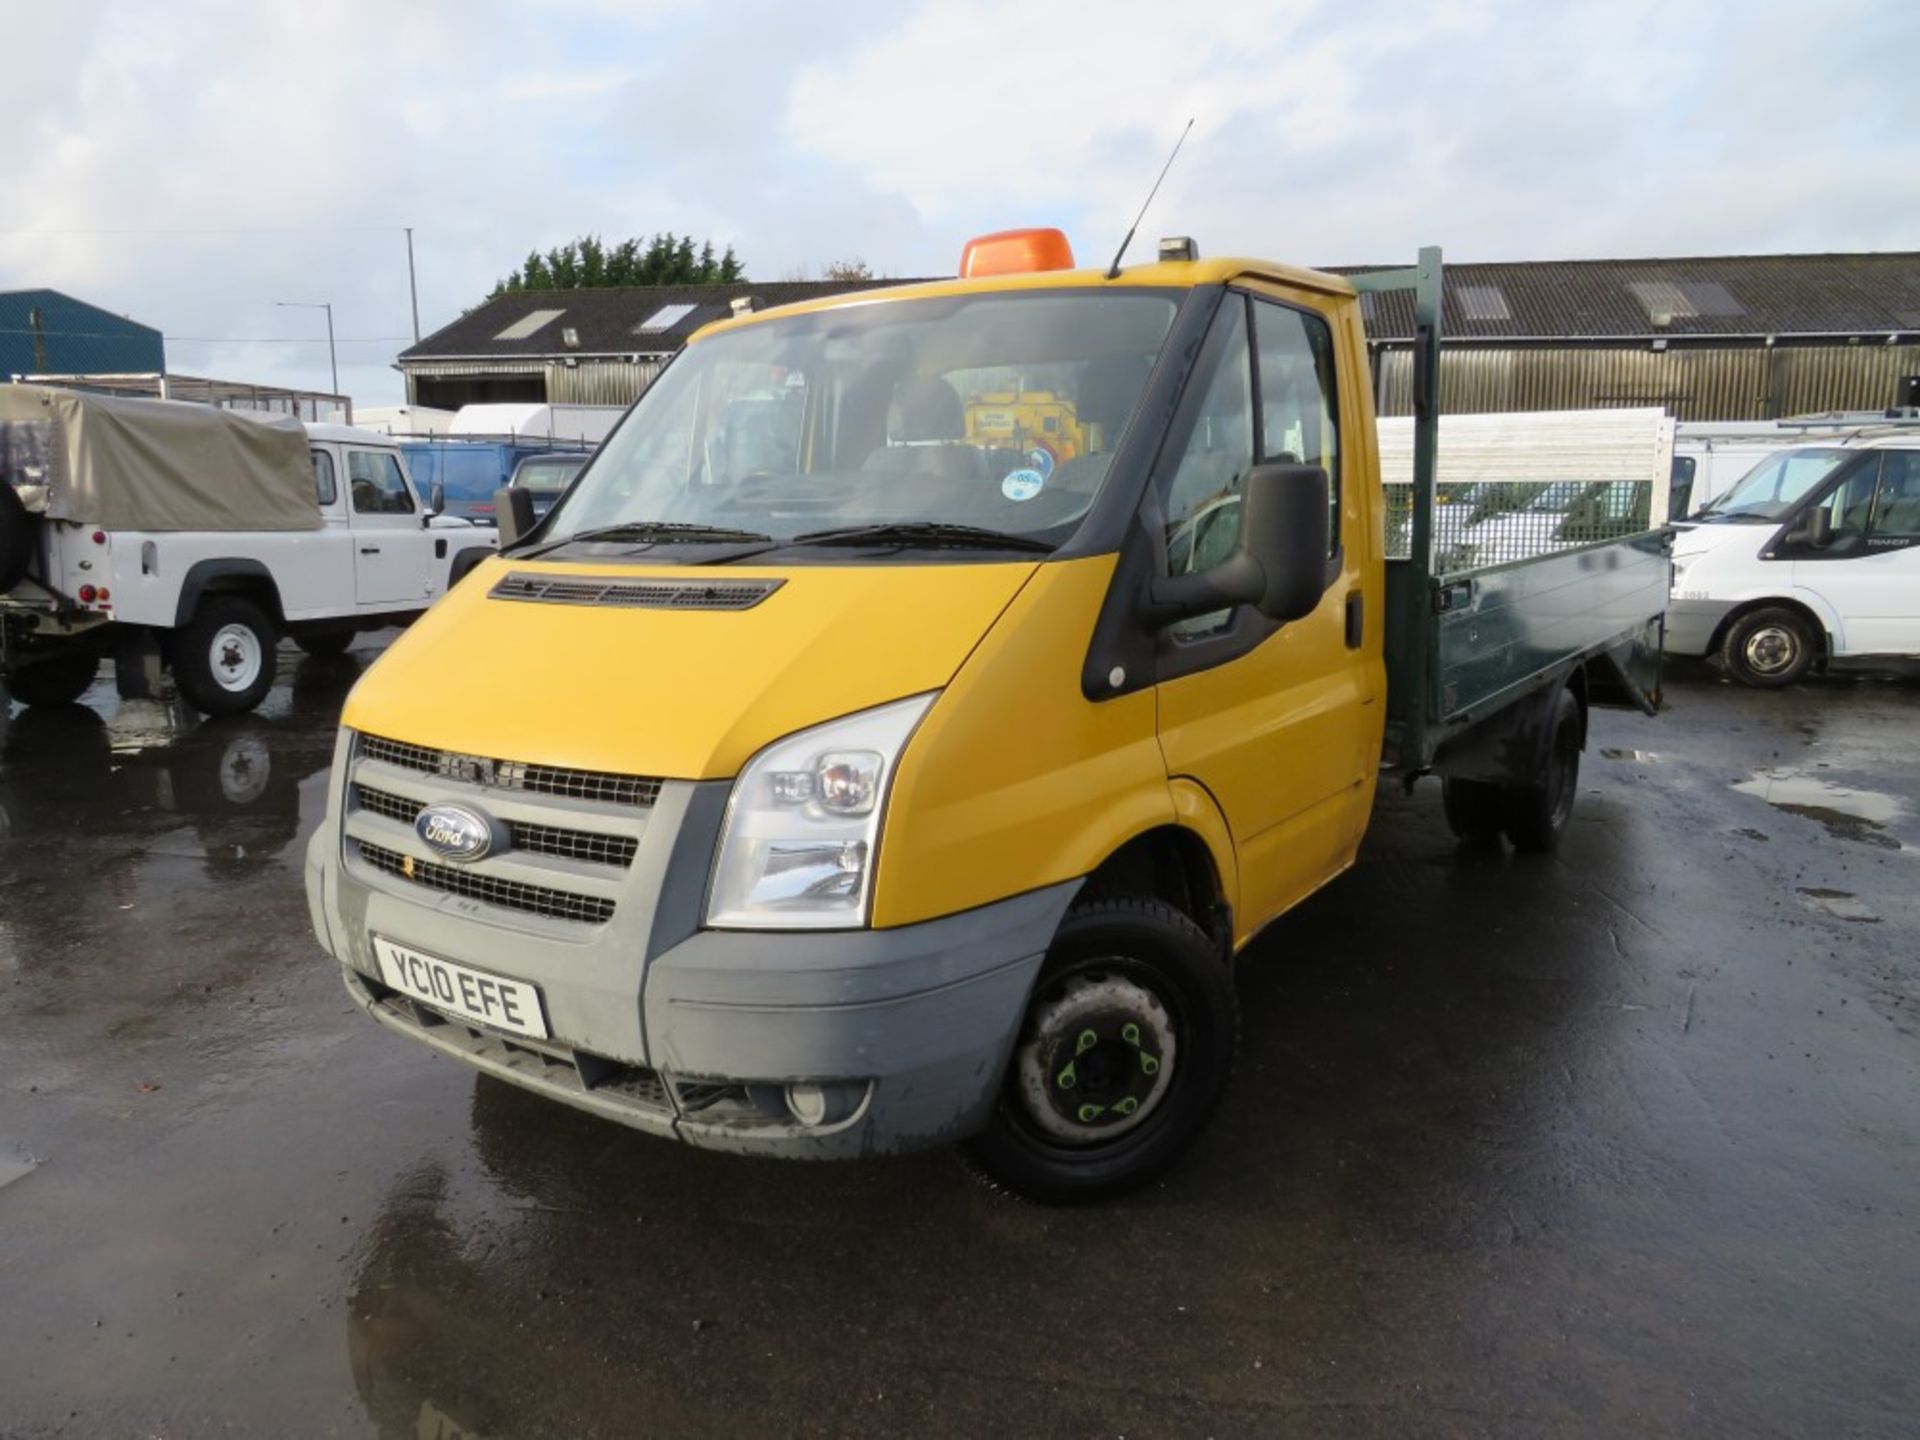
x,y
513,512
1279,563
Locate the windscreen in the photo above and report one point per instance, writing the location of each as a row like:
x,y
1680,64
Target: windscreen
x,y
999,410
1775,485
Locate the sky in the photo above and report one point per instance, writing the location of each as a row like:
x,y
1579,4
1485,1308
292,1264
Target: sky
x,y
192,163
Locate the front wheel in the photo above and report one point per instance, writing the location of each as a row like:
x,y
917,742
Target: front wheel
x,y
223,659
1768,648
56,680
1124,1052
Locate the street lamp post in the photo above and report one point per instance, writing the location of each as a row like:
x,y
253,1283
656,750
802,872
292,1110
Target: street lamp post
x,y
333,361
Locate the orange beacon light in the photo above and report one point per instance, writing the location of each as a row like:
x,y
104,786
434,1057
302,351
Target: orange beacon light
x,y
1015,252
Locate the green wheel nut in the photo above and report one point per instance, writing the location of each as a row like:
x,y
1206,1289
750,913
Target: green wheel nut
x,y
1127,1106
1091,1113
1086,1042
1130,1033
1149,1064
1067,1079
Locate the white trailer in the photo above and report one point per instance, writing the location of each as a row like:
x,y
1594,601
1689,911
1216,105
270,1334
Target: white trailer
x,y
580,424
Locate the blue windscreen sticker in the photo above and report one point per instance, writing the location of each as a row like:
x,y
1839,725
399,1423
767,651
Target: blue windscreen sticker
x,y
1022,484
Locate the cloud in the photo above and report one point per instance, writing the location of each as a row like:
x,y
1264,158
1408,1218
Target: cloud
x,y
192,163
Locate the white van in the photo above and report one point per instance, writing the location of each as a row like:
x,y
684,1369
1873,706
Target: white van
x,y
1813,559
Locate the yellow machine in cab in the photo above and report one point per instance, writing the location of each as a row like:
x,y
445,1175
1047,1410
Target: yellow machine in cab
x,y
916,773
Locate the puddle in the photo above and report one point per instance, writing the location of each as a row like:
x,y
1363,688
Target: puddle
x,y
1848,814
1841,904
1637,757
15,1165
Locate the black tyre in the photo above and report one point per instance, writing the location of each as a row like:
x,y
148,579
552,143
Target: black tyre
x,y
54,680
1125,1049
325,642
1476,809
223,658
16,538
1537,814
1769,648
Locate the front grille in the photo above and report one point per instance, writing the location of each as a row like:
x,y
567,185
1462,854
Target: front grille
x,y
595,849
635,594
599,785
509,894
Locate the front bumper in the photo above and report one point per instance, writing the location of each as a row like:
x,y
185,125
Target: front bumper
x,y
695,1034
1691,624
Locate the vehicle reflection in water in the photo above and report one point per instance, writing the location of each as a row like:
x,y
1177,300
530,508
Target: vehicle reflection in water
x,y
138,768
583,1279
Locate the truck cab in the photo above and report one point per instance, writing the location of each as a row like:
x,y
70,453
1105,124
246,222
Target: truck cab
x,y
894,734
1812,560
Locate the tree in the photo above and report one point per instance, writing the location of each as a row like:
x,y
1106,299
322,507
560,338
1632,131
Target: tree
x,y
589,263
852,268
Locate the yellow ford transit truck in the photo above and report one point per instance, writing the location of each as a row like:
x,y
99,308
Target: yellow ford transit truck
x,y
897,730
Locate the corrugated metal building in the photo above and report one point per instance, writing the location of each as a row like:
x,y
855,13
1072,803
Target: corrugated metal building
x,y
43,331
1721,338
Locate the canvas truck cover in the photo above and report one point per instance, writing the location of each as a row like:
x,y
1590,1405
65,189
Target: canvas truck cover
x,y
128,464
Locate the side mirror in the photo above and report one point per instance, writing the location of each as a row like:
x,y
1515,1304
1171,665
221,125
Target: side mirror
x,y
437,499
513,511
1279,563
1814,530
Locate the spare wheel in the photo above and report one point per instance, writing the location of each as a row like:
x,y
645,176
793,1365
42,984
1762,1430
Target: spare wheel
x,y
16,538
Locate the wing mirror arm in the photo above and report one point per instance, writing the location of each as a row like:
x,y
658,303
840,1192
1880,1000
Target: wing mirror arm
x,y
1278,564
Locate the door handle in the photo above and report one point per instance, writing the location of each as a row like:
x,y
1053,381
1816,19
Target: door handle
x,y
369,549
1356,620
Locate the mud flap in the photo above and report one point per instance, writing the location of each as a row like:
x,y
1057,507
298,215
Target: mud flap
x,y
1626,675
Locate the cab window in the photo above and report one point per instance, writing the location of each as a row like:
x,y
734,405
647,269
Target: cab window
x,y
1201,494
1294,353
377,484
1849,506
325,489
1896,508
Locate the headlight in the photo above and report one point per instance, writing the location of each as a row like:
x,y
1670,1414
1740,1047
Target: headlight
x,y
803,825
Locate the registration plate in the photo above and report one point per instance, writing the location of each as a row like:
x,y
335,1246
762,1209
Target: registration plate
x,y
461,990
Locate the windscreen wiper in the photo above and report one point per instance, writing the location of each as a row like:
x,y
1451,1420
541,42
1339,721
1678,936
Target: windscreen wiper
x,y
923,532
656,531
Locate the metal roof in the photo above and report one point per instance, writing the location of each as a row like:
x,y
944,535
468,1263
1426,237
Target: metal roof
x,y
1746,296
1734,296
607,321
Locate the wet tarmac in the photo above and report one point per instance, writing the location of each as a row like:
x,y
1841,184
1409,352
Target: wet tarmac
x,y
1619,1142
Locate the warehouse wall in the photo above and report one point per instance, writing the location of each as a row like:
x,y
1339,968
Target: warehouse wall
x,y
449,384
1696,383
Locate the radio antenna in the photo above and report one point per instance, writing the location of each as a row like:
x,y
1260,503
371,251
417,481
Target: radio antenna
x,y
1113,271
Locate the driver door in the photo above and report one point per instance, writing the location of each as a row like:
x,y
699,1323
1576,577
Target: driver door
x,y
1280,723
1869,570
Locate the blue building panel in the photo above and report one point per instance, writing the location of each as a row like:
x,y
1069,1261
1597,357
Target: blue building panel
x,y
45,332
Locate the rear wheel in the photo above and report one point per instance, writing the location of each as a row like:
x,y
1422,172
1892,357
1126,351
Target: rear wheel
x,y
1122,1057
1476,809
1537,814
56,680
1769,648
16,538
223,659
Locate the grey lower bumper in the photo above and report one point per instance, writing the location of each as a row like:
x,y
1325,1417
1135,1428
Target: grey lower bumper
x,y
1691,623
910,1029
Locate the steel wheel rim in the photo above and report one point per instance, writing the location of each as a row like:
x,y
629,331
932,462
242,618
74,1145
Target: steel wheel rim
x,y
235,656
1097,1057
1771,649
